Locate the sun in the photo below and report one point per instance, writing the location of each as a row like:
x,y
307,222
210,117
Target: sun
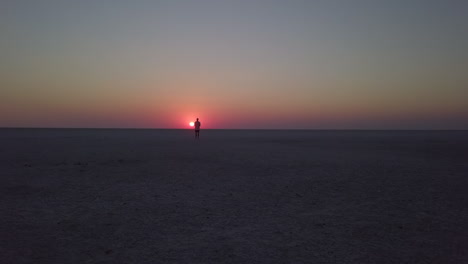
x,y
191,123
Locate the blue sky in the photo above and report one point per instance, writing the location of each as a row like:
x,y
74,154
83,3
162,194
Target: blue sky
x,y
236,64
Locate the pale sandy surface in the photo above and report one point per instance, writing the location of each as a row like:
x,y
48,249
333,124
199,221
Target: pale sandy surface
x,y
159,196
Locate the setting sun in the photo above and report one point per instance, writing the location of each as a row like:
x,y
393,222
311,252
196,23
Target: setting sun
x,y
191,124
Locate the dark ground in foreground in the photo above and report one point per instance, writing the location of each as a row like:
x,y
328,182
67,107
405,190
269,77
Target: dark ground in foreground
x,y
159,196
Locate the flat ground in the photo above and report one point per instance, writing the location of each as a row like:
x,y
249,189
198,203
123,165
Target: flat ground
x,y
159,196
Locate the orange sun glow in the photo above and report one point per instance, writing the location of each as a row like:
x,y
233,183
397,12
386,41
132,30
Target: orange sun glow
x,y
191,124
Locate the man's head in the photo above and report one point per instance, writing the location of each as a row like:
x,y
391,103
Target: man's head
x,y
197,118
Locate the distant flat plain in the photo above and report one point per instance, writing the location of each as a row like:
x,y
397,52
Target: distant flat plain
x,y
233,196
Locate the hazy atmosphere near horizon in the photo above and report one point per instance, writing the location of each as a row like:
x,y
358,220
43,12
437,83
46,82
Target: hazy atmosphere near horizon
x,y
235,64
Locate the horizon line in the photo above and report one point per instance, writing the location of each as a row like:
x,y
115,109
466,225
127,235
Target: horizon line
x,y
317,129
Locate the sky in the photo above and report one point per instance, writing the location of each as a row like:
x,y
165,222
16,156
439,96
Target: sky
x,y
268,64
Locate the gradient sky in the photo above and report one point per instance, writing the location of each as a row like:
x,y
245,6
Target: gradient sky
x,y
371,64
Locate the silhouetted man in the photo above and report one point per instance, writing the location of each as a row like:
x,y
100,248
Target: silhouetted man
x,y
197,128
